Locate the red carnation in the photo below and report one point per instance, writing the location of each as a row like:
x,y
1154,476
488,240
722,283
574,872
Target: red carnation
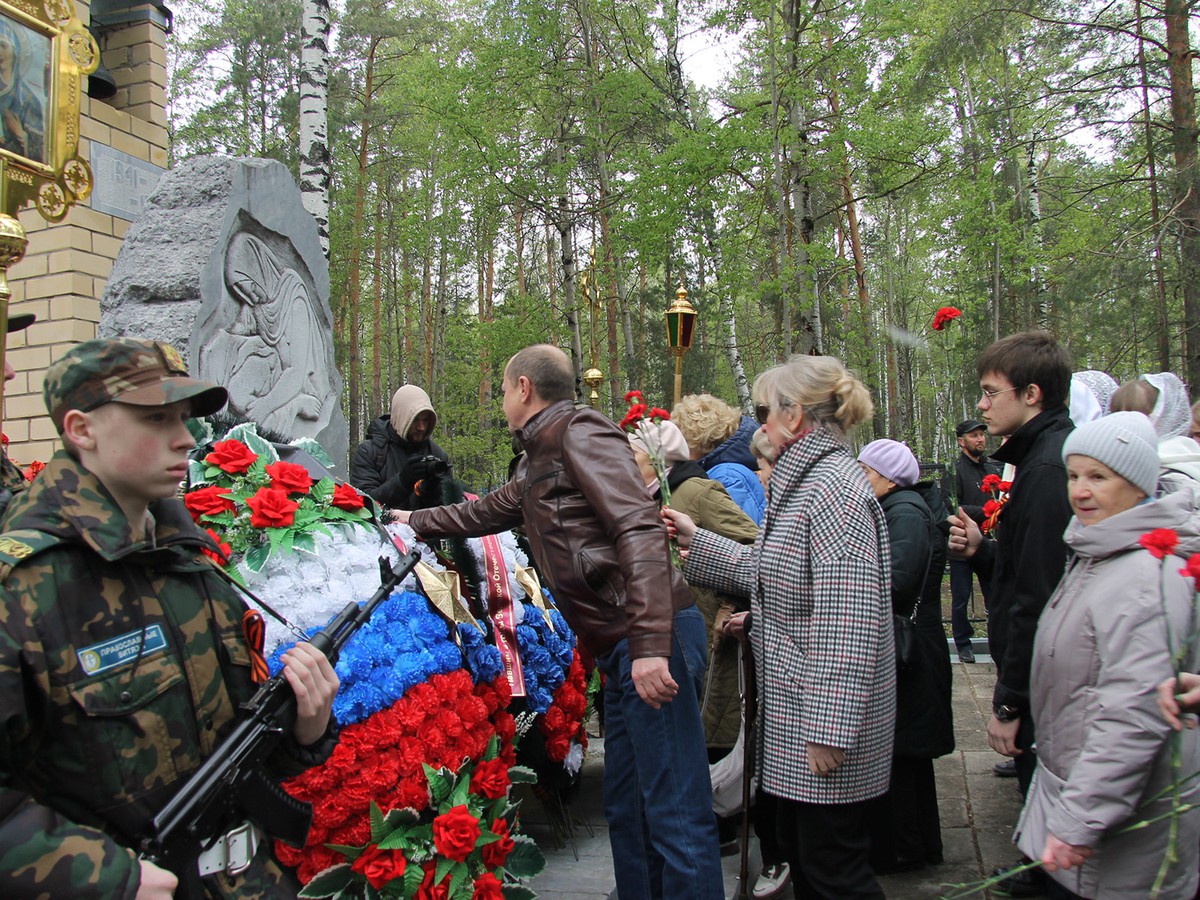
x,y
271,508
455,833
1161,542
231,456
659,415
495,853
346,497
490,779
289,477
636,413
208,501
634,395
990,483
379,866
487,887
33,468
945,316
991,507
1192,569
1005,486
225,549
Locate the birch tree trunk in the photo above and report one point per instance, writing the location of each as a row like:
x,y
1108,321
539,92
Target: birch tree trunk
x,y
314,138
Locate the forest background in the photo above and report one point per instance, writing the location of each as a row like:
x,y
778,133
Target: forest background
x,y
512,171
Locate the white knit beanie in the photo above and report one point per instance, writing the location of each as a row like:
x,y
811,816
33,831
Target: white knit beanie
x,y
1123,441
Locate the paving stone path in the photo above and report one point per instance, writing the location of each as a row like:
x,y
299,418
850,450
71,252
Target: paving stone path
x,y
978,812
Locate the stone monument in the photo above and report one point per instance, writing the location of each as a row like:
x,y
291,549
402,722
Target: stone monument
x,y
226,265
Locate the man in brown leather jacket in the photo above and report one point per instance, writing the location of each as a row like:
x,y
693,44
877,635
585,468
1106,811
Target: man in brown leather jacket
x,y
598,541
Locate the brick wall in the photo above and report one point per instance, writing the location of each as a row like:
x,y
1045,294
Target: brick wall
x,y
62,276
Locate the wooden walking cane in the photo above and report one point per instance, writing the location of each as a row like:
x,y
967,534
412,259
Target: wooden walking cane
x,y
750,715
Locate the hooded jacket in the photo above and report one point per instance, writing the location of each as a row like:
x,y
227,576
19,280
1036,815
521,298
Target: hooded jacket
x,y
97,734
391,470
1105,641
1179,459
733,464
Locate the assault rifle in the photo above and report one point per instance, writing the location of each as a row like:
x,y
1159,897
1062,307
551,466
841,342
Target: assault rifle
x,y
231,787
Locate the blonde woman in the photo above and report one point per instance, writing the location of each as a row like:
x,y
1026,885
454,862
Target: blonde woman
x,y
817,578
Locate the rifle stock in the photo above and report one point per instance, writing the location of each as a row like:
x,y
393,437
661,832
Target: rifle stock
x,y
230,786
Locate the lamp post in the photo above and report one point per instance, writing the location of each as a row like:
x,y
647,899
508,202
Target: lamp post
x,y
592,378
681,327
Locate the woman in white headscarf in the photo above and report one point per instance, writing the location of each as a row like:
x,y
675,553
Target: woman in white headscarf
x,y
1163,397
1091,392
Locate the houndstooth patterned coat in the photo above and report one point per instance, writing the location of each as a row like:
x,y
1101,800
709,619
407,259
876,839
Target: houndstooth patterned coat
x,y
818,582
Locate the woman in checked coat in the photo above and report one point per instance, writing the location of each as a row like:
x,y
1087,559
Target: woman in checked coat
x,y
818,583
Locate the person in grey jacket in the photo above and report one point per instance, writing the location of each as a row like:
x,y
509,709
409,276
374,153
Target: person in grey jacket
x,y
820,597
1109,635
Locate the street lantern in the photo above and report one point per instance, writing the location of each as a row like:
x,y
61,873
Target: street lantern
x,y
681,328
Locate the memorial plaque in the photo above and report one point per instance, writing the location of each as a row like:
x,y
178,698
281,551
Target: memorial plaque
x,y
123,183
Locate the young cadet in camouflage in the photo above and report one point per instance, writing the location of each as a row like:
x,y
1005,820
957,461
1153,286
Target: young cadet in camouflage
x,y
122,658
12,479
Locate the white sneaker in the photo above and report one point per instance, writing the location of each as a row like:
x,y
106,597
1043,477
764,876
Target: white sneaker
x,y
771,880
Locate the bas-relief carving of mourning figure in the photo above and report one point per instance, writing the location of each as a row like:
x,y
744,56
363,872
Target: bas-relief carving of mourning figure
x,y
226,264
264,340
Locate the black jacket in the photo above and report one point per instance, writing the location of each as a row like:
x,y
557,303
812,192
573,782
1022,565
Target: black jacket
x,y
395,472
917,532
1028,556
968,475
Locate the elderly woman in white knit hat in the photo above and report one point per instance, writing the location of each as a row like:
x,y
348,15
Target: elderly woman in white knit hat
x,y
1108,636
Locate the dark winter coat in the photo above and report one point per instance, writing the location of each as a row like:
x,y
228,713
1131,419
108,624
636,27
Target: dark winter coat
x,y
396,472
1027,559
917,531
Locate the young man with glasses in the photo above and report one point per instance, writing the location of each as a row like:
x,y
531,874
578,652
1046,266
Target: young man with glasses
x,y
1024,380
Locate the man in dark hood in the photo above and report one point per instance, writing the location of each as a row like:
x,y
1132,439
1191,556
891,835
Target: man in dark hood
x,y
398,465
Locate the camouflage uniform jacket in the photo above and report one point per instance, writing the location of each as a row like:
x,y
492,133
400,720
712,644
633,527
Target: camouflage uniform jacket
x,y
11,476
120,665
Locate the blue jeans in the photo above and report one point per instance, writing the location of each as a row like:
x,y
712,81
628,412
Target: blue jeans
x,y
657,793
960,595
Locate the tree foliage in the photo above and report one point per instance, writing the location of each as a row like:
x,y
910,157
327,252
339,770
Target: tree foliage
x,y
510,171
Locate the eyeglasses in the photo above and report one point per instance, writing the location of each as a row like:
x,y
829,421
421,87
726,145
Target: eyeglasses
x,y
761,411
989,396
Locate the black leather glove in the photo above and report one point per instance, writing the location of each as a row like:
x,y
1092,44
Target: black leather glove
x,y
415,468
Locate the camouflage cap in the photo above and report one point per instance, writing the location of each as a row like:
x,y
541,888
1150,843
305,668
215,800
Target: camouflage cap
x,y
139,372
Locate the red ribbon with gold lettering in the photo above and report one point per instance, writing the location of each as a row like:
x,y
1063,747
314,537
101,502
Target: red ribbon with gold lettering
x,y
504,619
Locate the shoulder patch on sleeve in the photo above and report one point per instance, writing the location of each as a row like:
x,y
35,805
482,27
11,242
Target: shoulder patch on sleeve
x,y
18,546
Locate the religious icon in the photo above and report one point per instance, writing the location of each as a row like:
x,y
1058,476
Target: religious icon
x,y
25,77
